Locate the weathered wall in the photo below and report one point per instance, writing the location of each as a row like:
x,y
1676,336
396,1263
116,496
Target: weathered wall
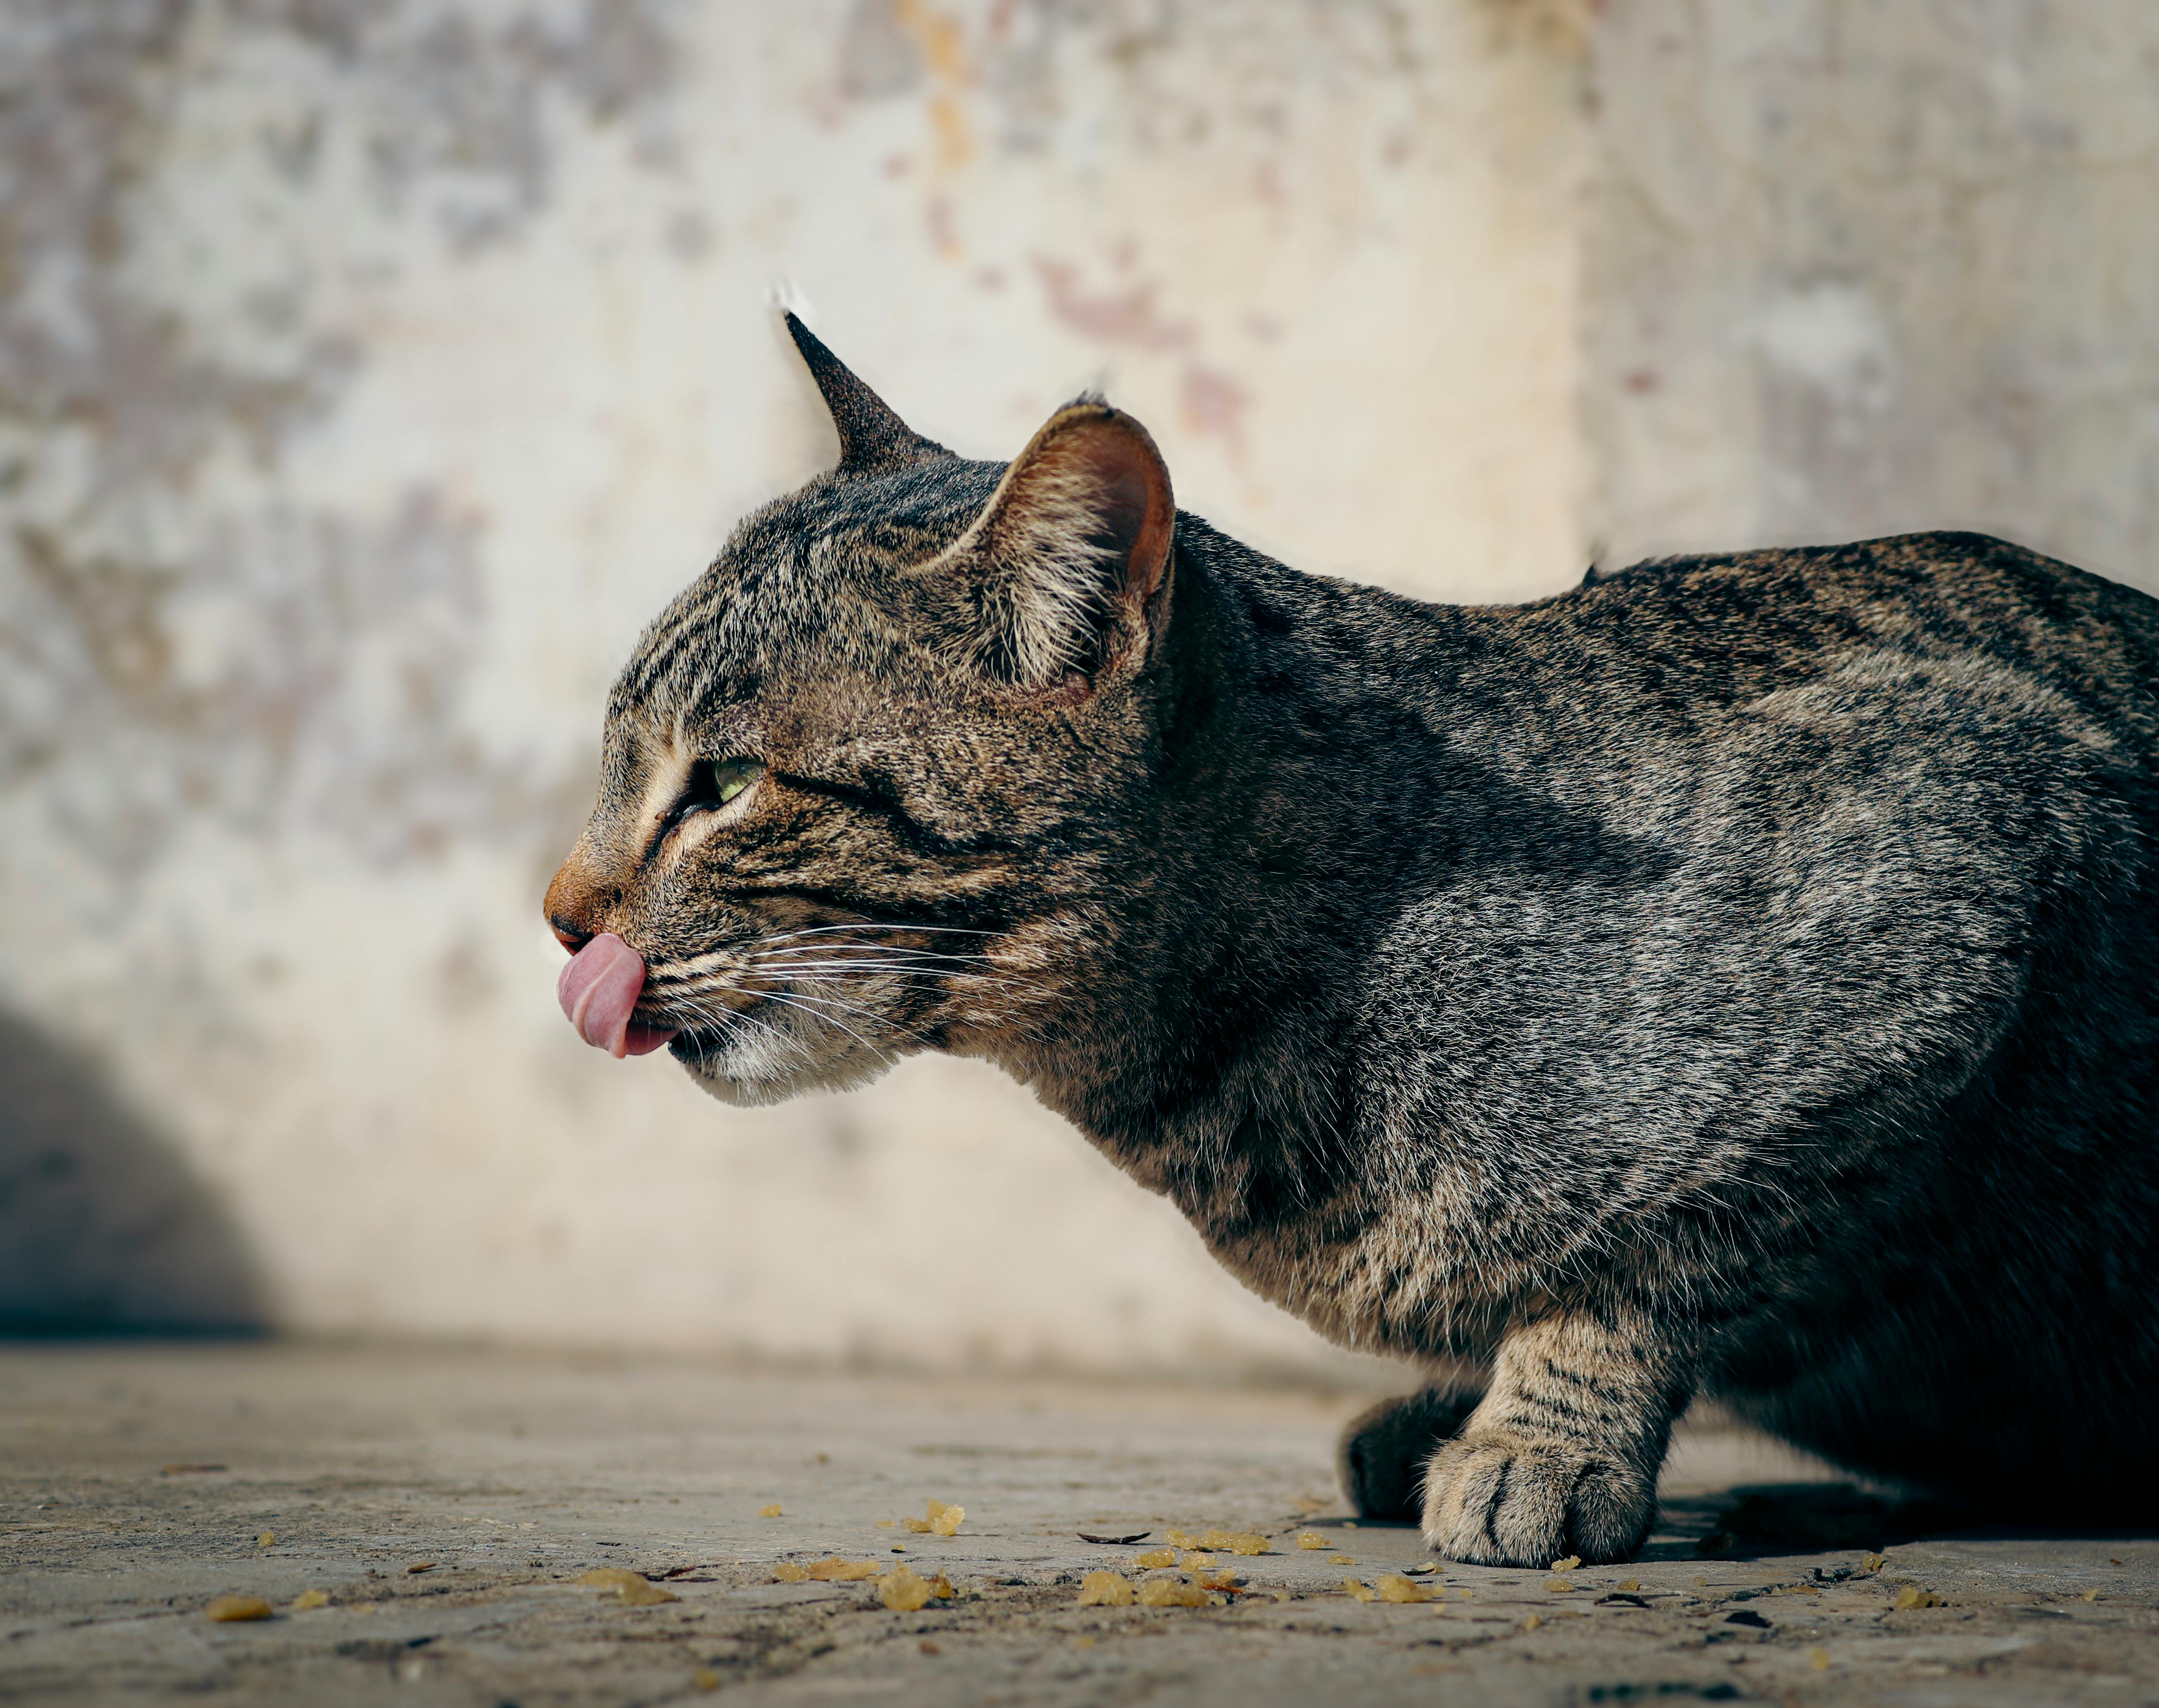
x,y
1867,266
368,374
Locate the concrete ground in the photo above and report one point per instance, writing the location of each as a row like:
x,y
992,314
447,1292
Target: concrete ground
x,y
446,1503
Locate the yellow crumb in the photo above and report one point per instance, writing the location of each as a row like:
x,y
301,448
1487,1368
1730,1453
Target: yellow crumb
x,y
1912,1596
937,1519
1395,1588
1630,1583
769,1512
268,1539
1234,1541
225,1609
1873,1562
1362,1592
704,1679
308,1600
838,1570
1532,1622
1224,1580
1558,1585
1196,1562
2091,1595
1341,1559
1312,1539
1701,1583
789,1574
418,1566
1170,1592
902,1591
1179,1538
631,1588
887,1524
1155,1559
1818,1659
1567,1563
1104,1589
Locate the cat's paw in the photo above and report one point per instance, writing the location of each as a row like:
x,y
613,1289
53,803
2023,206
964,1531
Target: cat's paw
x,y
1495,1499
1383,1451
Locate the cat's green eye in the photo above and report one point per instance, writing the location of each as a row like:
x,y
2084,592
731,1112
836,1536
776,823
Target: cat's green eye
x,y
730,777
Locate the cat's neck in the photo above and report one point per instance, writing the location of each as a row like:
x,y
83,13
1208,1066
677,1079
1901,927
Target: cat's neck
x,y
1302,788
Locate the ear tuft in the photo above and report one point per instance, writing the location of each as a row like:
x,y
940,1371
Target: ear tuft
x,y
871,436
1061,571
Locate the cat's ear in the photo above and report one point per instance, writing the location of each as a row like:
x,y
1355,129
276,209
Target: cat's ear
x,y
1062,570
872,437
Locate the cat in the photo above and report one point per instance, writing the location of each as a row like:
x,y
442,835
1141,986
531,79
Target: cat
x,y
1737,976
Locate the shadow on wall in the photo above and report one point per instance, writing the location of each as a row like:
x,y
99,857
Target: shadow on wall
x,y
102,1227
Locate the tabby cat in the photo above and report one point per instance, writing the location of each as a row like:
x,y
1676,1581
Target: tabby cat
x,y
1738,975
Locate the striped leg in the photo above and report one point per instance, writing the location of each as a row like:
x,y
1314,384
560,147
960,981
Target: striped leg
x,y
1562,1456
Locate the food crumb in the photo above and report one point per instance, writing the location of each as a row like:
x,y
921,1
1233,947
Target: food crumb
x,y
225,1609
308,1600
1532,1622
1912,1596
1234,1541
928,1648
704,1679
939,1519
1873,1562
1195,1561
770,1512
1818,1659
1170,1592
1567,1563
785,1573
2091,1595
632,1589
838,1570
268,1539
1104,1589
1630,1584
418,1566
903,1590
1312,1539
1156,1559
1364,1592
1393,1587
1341,1559
1559,1585
1701,1583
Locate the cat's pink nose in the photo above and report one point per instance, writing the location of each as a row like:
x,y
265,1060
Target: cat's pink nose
x,y
598,991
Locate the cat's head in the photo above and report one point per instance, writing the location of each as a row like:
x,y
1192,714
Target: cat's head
x,y
868,784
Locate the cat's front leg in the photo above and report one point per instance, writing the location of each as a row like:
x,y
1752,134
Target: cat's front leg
x,y
1560,1457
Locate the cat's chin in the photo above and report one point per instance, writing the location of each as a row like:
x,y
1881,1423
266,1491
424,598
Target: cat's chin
x,y
751,1080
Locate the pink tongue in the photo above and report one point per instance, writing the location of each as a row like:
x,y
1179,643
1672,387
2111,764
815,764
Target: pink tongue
x,y
598,991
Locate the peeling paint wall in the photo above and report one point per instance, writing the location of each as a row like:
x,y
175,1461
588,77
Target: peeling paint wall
x,y
371,370
1867,266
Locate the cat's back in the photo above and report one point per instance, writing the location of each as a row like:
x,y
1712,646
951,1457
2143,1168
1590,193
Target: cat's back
x,y
1735,628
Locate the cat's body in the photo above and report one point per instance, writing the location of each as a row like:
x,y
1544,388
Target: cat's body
x,y
1735,977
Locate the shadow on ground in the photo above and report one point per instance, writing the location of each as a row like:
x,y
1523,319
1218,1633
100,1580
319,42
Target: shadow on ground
x,y
103,1227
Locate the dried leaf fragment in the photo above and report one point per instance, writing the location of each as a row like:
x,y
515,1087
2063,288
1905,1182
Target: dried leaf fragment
x,y
1115,1541
418,1566
226,1609
1104,1589
838,1570
1395,1587
1312,1539
1223,1582
308,1600
1172,1592
769,1512
903,1590
1363,1592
